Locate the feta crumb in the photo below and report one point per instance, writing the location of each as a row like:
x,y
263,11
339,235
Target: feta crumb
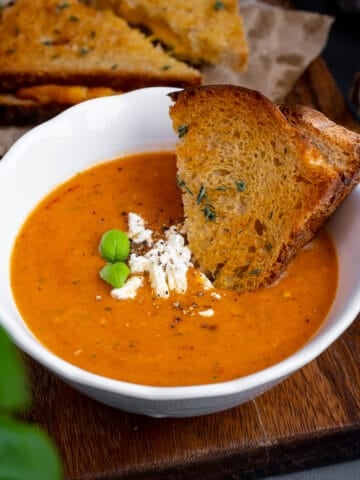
x,y
207,313
207,285
215,295
98,298
128,290
137,231
167,264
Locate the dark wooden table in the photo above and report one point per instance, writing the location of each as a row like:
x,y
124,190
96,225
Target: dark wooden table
x,y
311,419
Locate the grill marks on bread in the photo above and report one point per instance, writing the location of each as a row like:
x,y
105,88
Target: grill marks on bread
x,y
269,186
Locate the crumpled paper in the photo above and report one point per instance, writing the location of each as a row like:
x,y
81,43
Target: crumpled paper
x,y
282,44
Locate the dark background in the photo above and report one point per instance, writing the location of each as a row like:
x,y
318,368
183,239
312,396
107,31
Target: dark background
x,y
342,52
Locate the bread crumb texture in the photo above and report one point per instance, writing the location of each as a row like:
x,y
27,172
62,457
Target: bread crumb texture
x,y
66,42
201,31
255,188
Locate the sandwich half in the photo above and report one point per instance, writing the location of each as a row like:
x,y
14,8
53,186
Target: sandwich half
x,y
84,51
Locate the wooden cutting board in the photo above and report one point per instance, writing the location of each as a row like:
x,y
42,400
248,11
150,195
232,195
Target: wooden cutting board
x,y
311,419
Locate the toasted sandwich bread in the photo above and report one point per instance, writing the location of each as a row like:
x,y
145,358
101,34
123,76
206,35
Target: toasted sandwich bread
x,y
40,102
202,31
256,183
49,42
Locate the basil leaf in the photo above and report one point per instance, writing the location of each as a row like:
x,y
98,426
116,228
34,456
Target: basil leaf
x,y
115,274
114,246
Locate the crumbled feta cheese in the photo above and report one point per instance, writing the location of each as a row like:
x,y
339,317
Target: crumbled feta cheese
x,y
215,295
207,285
166,262
98,298
137,263
207,313
128,290
137,231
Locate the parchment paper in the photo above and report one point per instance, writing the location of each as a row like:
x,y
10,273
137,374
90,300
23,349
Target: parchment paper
x,y
282,45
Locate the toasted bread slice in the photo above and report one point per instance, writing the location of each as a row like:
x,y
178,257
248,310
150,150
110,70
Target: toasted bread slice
x,y
47,41
202,31
255,188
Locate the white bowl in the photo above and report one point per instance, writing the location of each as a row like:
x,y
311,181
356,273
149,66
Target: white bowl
x,y
103,129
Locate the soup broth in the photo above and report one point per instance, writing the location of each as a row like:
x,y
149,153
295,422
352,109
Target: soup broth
x,y
150,340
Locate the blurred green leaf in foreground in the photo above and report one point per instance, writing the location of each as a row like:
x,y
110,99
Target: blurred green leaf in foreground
x,y
26,453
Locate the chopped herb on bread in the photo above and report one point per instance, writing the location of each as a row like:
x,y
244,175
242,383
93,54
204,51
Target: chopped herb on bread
x,y
257,183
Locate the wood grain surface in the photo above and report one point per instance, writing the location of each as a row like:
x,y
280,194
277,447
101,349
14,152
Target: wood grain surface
x,y
312,418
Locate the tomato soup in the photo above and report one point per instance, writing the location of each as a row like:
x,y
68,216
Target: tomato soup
x,y
150,340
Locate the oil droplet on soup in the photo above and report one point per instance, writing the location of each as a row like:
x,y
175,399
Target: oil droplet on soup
x,y
202,336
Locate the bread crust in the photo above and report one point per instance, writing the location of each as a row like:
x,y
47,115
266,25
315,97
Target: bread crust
x,y
288,184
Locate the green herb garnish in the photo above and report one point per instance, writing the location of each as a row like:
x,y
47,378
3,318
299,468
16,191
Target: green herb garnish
x,y
256,271
165,67
181,184
221,189
115,273
209,212
62,5
83,51
218,5
73,18
201,195
47,43
240,186
114,67
182,130
268,246
114,246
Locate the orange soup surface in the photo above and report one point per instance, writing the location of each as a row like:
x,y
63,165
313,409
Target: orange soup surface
x,y
150,340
